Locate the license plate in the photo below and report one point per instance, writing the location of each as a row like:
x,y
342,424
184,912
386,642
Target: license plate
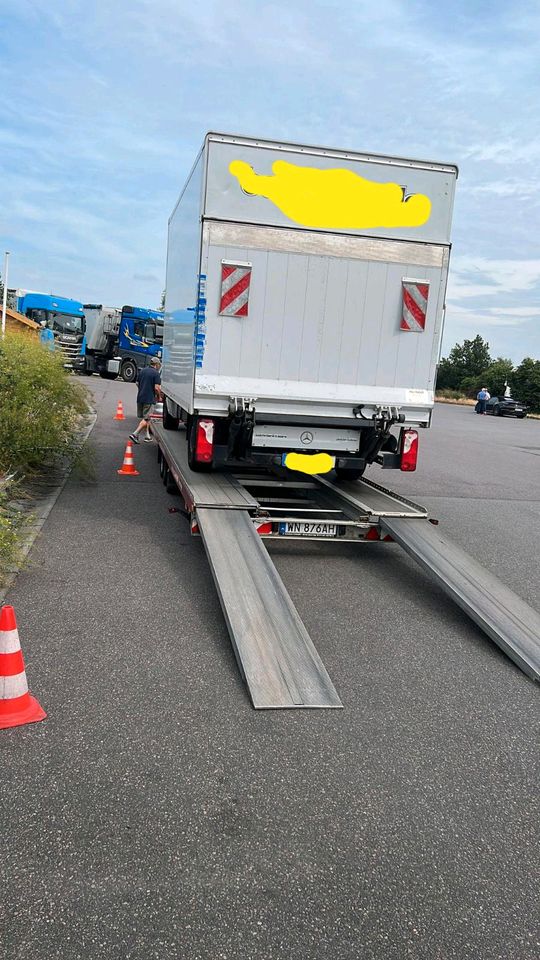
x,y
307,529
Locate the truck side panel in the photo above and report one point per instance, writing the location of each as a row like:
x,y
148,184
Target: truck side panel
x,y
182,296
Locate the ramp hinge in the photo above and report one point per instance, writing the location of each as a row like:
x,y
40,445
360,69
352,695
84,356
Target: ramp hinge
x,y
241,404
381,412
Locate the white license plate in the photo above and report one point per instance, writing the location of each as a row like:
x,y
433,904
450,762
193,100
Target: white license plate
x,y
307,529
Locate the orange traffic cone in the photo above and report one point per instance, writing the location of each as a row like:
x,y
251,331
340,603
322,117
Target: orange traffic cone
x,y
119,412
128,466
16,704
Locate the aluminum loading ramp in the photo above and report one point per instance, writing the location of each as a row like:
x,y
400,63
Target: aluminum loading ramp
x,y
276,656
510,622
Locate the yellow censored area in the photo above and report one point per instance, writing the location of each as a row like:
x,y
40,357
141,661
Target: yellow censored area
x,y
304,463
338,199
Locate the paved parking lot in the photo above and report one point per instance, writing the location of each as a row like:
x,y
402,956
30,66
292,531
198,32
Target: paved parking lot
x,y
154,814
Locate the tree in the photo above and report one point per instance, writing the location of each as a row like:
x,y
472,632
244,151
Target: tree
x,y
497,376
465,361
162,302
526,382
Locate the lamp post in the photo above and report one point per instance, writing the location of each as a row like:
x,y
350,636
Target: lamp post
x,y
4,298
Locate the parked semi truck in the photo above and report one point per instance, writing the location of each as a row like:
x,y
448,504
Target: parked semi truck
x,y
63,316
120,341
304,305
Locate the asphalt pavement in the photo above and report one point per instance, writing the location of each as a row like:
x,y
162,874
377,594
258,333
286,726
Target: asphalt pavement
x,y
155,814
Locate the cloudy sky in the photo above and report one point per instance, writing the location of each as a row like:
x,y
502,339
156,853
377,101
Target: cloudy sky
x,y
104,105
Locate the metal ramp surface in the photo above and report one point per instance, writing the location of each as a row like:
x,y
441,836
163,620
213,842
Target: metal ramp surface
x,y
213,490
276,656
510,622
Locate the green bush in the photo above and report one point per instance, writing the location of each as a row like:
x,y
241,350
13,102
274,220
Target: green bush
x,y
39,406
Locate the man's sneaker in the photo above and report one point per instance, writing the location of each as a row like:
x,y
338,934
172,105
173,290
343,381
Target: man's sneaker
x,y
148,439
133,437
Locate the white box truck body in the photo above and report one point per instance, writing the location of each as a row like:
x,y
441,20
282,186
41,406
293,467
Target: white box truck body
x,y
305,299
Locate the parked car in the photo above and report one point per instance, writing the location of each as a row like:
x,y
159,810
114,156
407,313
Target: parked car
x,y
506,407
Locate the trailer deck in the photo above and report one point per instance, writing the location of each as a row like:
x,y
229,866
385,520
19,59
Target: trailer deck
x,y
234,511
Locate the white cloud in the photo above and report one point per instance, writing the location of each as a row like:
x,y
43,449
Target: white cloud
x,y
492,277
509,151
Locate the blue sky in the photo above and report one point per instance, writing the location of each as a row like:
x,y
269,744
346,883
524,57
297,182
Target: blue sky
x,y
105,104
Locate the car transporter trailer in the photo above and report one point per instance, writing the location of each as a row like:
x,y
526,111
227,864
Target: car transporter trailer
x,y
233,513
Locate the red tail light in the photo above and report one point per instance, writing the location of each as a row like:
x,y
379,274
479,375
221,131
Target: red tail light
x,y
409,450
204,441
264,529
372,534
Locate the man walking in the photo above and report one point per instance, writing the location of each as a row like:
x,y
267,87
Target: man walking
x,y
149,381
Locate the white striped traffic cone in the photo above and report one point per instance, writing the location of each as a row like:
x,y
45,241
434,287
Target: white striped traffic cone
x,y
16,704
128,466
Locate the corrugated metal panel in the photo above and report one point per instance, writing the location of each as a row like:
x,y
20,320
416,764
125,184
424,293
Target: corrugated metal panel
x,y
320,319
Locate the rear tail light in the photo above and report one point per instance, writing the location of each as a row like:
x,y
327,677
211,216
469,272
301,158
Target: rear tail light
x,y
204,441
372,534
408,449
264,529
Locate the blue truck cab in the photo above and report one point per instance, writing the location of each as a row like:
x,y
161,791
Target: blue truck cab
x,y
141,331
121,341
64,318
140,338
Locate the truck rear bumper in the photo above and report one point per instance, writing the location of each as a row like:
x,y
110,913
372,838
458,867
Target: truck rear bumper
x,y
305,400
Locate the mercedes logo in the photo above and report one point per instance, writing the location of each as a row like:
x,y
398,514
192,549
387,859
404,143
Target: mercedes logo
x,y
306,437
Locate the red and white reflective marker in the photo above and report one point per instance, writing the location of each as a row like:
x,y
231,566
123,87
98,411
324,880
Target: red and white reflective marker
x,y
415,299
235,281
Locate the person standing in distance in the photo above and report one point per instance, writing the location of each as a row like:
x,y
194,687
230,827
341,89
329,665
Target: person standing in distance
x,y
148,394
482,397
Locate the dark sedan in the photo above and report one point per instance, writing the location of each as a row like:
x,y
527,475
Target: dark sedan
x,y
506,407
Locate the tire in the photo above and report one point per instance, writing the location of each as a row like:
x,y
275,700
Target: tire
x,y
192,462
162,466
345,473
498,412
521,416
169,422
168,480
105,375
128,371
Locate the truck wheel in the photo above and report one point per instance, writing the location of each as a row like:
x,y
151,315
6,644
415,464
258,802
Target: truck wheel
x,y
169,422
128,371
168,480
105,375
344,473
162,466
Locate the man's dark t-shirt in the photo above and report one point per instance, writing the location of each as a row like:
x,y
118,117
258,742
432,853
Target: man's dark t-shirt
x,y
147,379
